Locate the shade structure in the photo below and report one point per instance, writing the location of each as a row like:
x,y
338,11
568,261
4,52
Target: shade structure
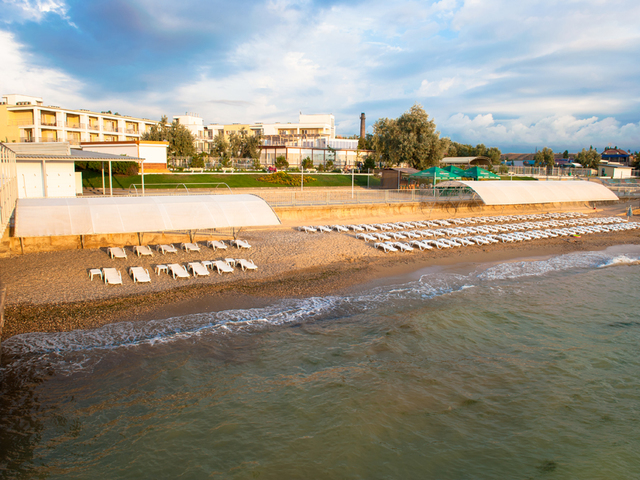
x,y
479,173
434,172
455,170
39,217
517,192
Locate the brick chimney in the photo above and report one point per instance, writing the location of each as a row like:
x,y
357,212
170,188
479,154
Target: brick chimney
x,y
362,125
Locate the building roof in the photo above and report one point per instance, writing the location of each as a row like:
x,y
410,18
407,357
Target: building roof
x,y
43,217
615,152
463,160
407,170
498,192
78,155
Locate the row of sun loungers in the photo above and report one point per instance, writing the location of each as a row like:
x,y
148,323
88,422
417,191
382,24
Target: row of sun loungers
x,y
144,250
112,276
458,237
387,227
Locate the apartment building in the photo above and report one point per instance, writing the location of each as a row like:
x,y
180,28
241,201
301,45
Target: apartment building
x,y
26,119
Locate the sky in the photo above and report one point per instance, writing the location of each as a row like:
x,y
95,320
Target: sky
x,y
516,75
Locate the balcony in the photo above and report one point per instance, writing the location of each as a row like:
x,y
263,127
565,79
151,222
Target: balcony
x,y
48,123
132,130
77,125
94,127
112,128
27,139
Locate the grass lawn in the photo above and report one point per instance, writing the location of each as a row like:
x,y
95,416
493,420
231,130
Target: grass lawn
x,y
507,177
93,179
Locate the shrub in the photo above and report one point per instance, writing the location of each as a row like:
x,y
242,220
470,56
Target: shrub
x,y
283,178
281,163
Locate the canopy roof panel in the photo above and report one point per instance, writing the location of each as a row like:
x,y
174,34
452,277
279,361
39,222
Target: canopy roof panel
x,y
43,217
434,172
508,192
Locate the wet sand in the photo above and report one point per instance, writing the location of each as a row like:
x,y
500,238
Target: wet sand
x,y
52,292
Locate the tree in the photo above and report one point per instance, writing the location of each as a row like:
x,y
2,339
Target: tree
x,y
281,162
328,165
411,138
307,163
589,158
179,137
544,158
456,149
565,154
369,163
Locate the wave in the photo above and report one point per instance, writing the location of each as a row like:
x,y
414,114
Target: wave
x,y
53,347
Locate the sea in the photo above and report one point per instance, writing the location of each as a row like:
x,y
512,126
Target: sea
x,y
524,369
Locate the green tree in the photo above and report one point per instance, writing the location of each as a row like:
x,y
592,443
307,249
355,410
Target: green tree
x,y
589,158
329,165
179,137
544,158
220,146
281,162
307,163
494,154
411,138
565,154
369,163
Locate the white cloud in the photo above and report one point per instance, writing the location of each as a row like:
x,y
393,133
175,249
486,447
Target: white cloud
x,y
36,10
560,132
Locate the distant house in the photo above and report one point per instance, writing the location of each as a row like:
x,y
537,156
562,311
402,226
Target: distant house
x,y
616,155
466,162
615,170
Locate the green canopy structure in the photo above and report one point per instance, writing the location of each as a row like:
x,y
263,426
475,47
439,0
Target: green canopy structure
x,y
455,170
434,173
478,173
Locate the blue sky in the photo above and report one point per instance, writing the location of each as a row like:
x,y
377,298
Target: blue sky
x,y
544,73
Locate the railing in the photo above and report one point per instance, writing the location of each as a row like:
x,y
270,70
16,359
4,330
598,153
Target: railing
x,y
131,130
21,123
27,139
74,125
552,172
48,123
8,186
177,186
111,128
93,127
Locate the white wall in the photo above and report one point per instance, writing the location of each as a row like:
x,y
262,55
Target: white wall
x,y
131,149
61,179
153,153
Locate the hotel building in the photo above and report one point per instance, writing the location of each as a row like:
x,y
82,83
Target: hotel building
x,y
27,119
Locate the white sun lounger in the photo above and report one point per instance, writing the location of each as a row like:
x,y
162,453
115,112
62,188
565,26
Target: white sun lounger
x,y
216,244
116,252
405,247
197,269
307,229
240,244
166,249
142,250
366,237
221,267
177,271
385,247
246,264
112,276
421,245
230,261
139,274
340,228
323,228
190,247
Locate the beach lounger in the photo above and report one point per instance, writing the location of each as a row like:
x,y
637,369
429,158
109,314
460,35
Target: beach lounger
x,y
116,252
177,271
340,228
240,243
139,274
216,244
421,245
166,249
221,267
366,237
190,247
111,276
385,247
405,247
307,229
246,264
197,269
231,262
323,229
142,250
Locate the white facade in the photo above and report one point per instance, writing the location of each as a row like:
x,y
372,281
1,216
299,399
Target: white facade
x,y
152,152
46,178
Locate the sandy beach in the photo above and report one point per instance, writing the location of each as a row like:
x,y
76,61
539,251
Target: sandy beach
x,y
51,291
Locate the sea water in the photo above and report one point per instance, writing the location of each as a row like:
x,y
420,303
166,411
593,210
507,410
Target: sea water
x,y
523,369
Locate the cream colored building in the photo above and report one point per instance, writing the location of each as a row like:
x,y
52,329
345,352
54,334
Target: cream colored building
x,y
25,119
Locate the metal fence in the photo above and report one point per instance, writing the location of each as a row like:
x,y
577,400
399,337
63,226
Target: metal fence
x,y
8,186
551,172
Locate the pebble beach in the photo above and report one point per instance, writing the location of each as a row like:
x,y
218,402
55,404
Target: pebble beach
x,y
52,291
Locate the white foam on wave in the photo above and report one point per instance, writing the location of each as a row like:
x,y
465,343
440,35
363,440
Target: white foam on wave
x,y
620,260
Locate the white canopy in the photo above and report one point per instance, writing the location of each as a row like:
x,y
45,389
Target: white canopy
x,y
508,192
43,217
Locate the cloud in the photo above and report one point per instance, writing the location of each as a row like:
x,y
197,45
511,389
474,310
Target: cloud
x,y
558,132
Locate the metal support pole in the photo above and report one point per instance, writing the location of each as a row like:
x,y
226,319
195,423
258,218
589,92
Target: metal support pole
x,y
110,181
103,189
142,175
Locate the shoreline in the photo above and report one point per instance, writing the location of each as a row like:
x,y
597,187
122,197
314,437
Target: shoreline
x,y
332,272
